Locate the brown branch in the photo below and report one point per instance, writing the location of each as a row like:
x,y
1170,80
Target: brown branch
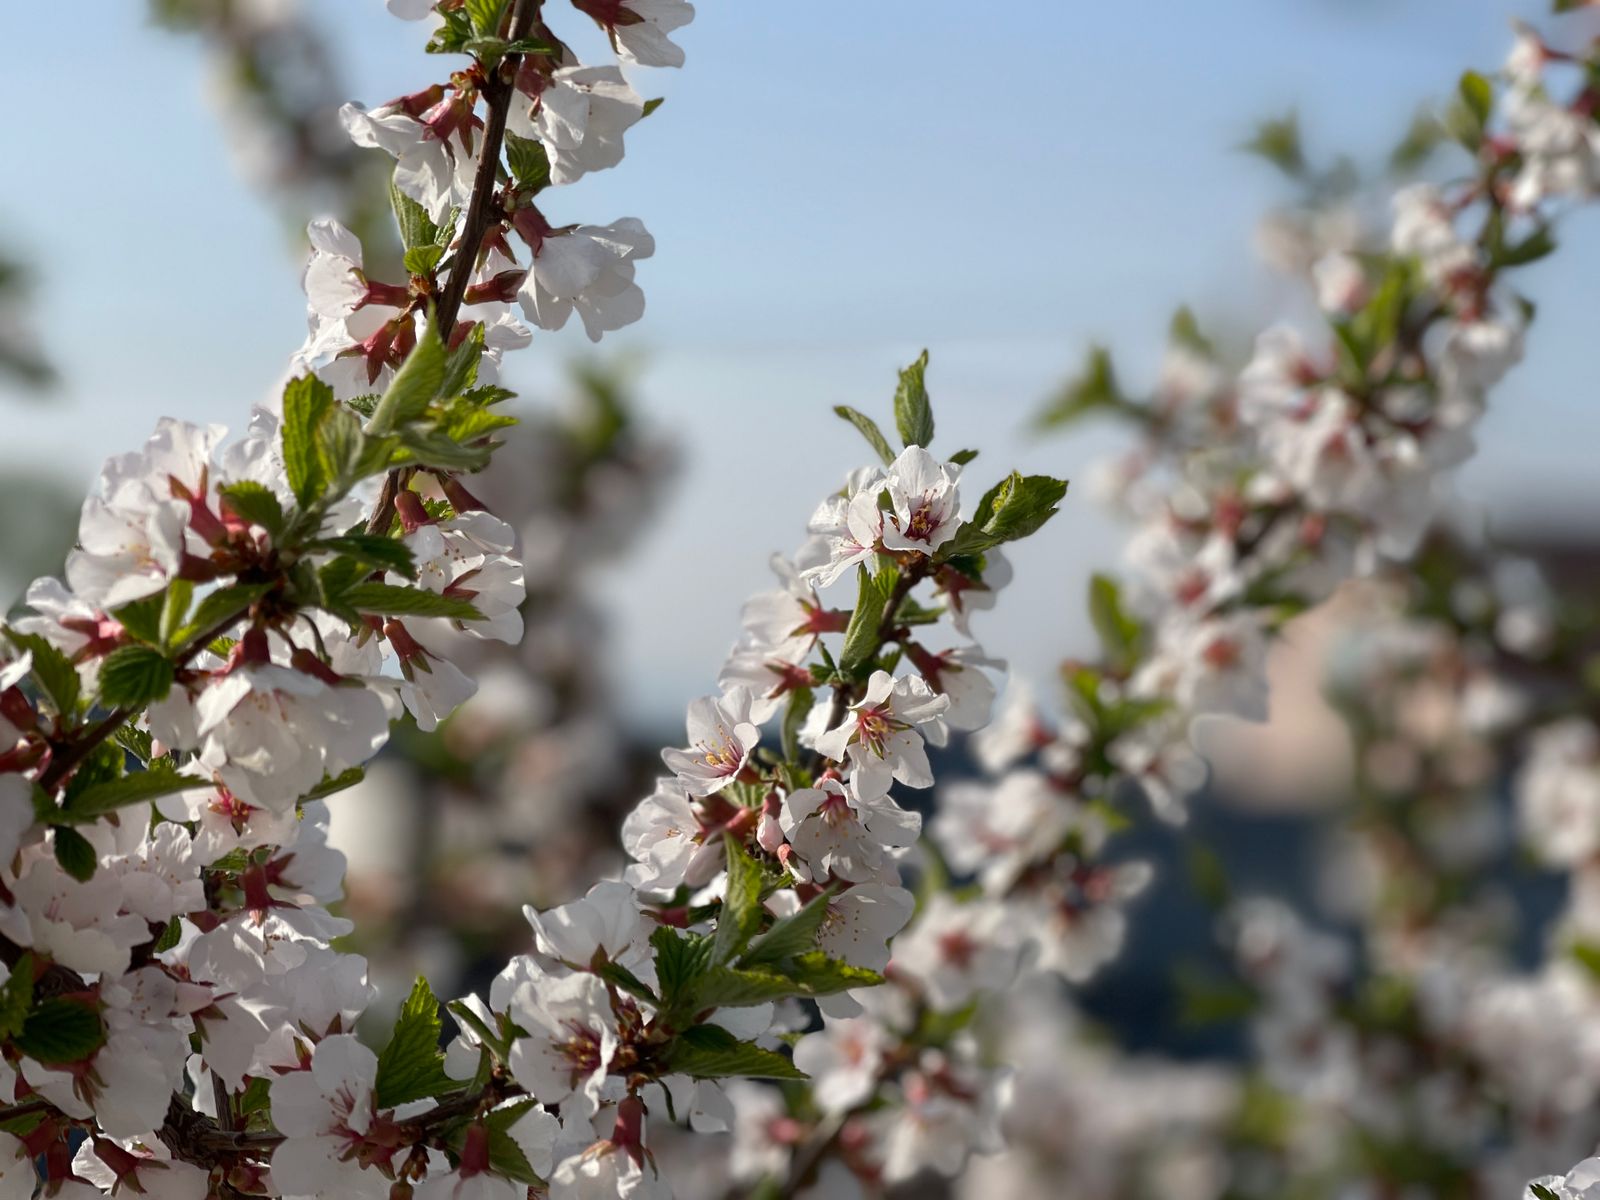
x,y
497,92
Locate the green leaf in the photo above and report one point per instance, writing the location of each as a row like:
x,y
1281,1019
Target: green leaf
x,y
414,386
411,1066
141,619
60,1031
416,229
1532,248
231,601
530,162
485,14
393,600
306,401
962,457
75,854
52,671
1014,508
651,105
372,550
711,1052
1538,1189
1278,141
16,996
869,430
741,912
815,974
742,987
169,936
461,371
255,503
681,958
913,415
619,976
861,635
1185,331
1095,389
1120,633
422,260
794,717
96,801
793,935
335,783
1478,95
175,607
133,676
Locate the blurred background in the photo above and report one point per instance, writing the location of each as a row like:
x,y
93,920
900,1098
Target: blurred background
x,y
831,188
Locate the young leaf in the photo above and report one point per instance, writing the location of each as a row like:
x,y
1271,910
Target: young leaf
x,y
392,600
411,1066
711,1052
1478,95
51,669
74,853
869,430
306,401
416,229
861,635
913,415
1120,632
1016,508
1095,389
530,162
218,606
681,958
414,386
741,912
742,987
815,974
372,550
255,503
133,676
60,1031
16,996
1278,141
795,934
96,801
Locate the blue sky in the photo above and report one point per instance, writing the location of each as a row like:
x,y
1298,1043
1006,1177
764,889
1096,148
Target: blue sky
x,y
832,186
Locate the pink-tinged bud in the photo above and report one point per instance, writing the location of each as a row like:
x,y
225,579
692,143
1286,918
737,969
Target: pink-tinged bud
x,y
475,1150
704,864
307,663
413,515
460,499
15,708
403,643
388,295
531,227
417,103
628,1134
501,289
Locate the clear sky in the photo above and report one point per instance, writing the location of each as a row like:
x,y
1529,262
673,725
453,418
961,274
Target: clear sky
x,y
832,186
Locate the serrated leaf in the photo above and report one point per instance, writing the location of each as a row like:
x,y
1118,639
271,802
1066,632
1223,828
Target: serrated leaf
x,y
461,366
175,607
393,600
913,414
421,260
411,1066
169,936
256,503
711,1052
414,386
962,457
94,802
231,601
74,853
815,974
868,429
416,229
681,958
372,550
742,987
51,670
861,634
793,935
16,996
619,976
134,676
60,1030
1014,508
741,912
306,401
530,162
332,784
